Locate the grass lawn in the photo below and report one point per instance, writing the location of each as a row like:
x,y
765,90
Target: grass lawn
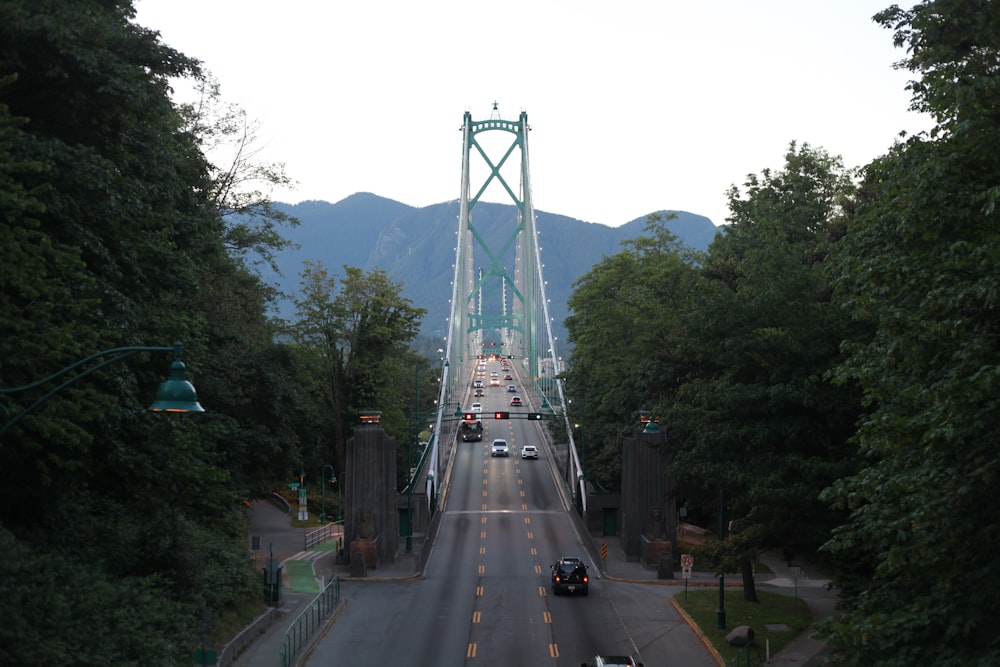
x,y
773,609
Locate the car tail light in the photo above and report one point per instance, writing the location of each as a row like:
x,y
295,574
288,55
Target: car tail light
x,y
586,578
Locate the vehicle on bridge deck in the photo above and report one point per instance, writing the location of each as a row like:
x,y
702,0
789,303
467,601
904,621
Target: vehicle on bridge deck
x,y
515,400
529,452
499,448
471,430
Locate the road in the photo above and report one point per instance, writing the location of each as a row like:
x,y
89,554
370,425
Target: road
x,y
485,597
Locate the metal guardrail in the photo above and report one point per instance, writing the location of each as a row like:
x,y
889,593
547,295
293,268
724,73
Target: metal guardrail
x,y
323,533
305,625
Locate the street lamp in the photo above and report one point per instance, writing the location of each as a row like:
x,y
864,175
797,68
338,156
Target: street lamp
x,y
333,480
174,395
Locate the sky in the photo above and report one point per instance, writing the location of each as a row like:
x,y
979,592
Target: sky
x,y
634,106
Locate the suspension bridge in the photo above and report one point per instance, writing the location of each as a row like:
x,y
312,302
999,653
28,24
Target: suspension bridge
x,y
498,304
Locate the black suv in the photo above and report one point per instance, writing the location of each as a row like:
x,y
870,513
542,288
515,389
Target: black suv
x,y
569,575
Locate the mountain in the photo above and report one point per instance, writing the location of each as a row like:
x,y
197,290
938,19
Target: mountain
x,y
416,246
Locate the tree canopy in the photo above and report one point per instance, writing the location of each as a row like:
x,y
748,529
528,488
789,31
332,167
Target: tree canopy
x,y
118,231
918,266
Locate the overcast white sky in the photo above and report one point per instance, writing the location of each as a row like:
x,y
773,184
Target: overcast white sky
x,y
634,105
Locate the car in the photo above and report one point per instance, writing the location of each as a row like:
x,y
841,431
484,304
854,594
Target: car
x,y
477,384
499,448
569,575
477,407
493,374
511,388
529,452
508,376
515,400
479,392
494,382
612,661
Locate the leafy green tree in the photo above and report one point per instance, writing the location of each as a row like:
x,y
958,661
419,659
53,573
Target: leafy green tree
x,y
918,266
109,241
757,417
625,313
358,336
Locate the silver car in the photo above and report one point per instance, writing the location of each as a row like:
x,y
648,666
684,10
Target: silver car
x,y
529,452
499,448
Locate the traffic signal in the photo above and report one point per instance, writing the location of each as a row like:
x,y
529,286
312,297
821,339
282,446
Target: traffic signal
x,y
501,415
470,416
534,415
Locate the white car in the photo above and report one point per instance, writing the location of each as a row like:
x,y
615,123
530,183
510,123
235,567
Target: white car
x,y
477,407
529,452
499,448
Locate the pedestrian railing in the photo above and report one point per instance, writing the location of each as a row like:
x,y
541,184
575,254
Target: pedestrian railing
x,y
323,533
300,632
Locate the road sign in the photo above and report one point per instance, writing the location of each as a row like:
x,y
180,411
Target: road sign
x,y
685,572
687,560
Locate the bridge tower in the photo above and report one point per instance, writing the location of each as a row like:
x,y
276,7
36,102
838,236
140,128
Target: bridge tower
x,y
498,297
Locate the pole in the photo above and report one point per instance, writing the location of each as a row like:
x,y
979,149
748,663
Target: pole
x,y
324,479
720,614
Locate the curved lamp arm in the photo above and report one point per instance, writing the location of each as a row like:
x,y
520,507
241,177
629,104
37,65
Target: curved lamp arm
x,y
174,395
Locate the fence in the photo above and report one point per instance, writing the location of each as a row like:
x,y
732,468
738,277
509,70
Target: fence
x,y
322,534
305,625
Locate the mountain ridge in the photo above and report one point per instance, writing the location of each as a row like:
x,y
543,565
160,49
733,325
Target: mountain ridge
x,y
416,246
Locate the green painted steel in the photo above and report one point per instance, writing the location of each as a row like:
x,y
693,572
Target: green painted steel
x,y
498,300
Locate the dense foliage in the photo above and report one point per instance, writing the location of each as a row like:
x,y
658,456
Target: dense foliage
x,y
919,265
831,363
120,529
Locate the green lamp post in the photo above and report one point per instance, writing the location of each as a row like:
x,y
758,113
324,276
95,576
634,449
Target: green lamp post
x,y
175,394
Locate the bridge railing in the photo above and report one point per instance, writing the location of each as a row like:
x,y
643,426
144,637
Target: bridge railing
x,y
302,630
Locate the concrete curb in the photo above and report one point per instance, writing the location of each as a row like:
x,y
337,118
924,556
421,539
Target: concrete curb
x,y
698,633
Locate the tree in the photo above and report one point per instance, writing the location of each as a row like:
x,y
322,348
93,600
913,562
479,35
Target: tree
x,y
109,240
242,183
625,313
355,335
756,415
918,266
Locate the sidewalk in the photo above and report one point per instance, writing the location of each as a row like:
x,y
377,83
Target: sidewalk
x,y
264,649
803,651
